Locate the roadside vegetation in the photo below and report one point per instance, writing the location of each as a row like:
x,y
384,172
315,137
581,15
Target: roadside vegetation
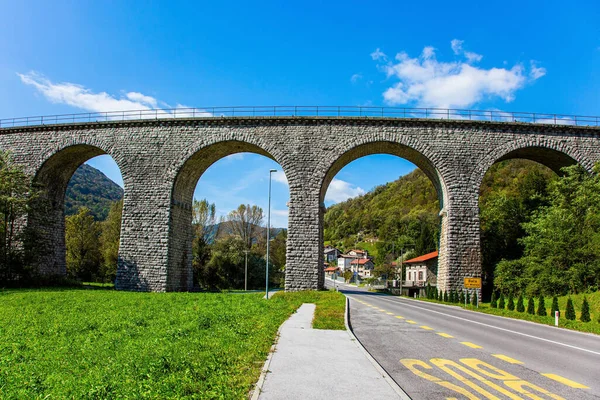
x,y
576,316
76,343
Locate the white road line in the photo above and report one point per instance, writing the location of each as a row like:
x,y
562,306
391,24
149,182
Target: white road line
x,y
492,326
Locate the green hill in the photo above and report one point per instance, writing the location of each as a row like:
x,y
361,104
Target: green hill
x,y
397,214
90,188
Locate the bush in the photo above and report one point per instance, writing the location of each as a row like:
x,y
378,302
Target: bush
x,y
541,311
501,303
585,311
468,299
511,302
494,301
531,306
461,297
456,297
445,296
554,306
474,300
520,304
570,312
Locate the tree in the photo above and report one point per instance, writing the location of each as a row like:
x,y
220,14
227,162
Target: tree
x,y
109,241
461,298
82,237
554,307
511,302
541,311
570,311
520,303
494,301
347,275
501,303
531,306
16,199
468,299
585,311
445,296
245,222
205,228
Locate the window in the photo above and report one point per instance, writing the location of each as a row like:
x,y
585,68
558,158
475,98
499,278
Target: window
x,y
420,275
409,277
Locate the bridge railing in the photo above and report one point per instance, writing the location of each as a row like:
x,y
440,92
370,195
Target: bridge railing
x,y
300,111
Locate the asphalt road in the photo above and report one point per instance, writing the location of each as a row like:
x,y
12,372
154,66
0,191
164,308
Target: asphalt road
x,y
437,351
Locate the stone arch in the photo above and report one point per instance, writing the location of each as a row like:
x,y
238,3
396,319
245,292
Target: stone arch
x,y
179,256
414,152
47,221
554,155
386,147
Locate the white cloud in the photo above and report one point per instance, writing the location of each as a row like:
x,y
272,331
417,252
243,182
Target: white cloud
x,y
536,72
355,78
456,46
431,83
78,96
280,177
339,191
473,57
378,55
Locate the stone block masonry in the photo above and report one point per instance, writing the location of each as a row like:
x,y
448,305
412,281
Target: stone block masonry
x,y
162,160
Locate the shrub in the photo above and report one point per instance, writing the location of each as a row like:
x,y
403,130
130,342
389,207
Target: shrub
x,y
438,294
474,300
554,306
541,311
570,312
494,301
445,296
461,297
511,302
501,303
456,297
531,306
585,311
468,299
520,304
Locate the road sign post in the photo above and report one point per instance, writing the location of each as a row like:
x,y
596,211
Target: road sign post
x,y
473,283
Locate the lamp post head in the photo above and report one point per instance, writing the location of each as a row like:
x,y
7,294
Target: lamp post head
x,y
272,170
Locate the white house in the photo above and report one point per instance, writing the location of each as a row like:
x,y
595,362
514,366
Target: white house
x,y
421,270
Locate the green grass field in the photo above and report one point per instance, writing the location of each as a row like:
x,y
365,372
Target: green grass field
x,y
104,344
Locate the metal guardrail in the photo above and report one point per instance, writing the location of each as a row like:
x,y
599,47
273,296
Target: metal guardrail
x,y
306,111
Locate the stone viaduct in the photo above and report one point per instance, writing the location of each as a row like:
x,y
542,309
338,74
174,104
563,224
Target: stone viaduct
x,y
162,160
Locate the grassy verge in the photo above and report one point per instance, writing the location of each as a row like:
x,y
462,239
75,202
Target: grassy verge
x,y
591,327
79,343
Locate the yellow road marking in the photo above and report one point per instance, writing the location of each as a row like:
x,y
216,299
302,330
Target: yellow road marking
x,y
382,310
426,328
565,381
471,345
390,313
507,359
410,322
399,317
445,335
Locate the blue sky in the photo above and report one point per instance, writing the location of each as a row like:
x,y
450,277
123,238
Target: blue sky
x,y
64,57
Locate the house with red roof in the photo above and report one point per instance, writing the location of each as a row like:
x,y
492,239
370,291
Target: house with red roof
x,y
363,266
420,271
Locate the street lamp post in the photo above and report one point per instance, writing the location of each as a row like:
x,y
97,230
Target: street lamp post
x,y
268,234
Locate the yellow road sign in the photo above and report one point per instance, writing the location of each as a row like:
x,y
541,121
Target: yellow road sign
x,y
472,283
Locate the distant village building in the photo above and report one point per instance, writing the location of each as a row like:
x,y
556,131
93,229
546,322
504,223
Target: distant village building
x,y
331,254
363,267
421,270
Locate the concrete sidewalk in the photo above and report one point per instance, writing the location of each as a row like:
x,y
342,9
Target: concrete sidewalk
x,y
316,364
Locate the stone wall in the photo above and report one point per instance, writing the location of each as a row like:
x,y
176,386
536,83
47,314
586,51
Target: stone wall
x,y
161,162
